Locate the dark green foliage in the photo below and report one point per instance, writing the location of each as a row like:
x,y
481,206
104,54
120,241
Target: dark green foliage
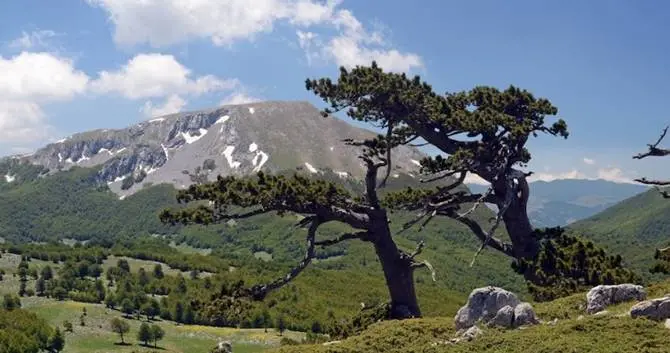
x,y
157,334
144,334
24,332
67,325
120,327
73,205
567,264
56,342
11,302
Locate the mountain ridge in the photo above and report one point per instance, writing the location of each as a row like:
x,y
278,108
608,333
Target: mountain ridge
x,y
227,140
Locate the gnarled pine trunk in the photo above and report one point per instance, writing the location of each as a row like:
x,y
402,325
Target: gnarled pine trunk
x,y
517,223
398,271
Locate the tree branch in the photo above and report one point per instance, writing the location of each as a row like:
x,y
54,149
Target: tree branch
x,y
654,151
258,292
426,264
344,237
495,243
653,182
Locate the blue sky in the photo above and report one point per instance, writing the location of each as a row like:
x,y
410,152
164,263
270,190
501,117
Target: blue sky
x,y
88,64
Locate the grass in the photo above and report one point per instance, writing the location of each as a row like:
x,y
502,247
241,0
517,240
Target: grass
x,y
575,331
96,336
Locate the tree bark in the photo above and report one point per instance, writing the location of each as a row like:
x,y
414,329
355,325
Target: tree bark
x,y
398,271
517,222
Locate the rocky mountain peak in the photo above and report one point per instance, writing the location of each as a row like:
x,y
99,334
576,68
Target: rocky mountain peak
x,y
234,139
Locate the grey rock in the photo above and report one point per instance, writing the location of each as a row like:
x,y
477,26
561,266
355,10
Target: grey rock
x,y
524,315
494,306
223,347
504,317
600,297
654,309
471,333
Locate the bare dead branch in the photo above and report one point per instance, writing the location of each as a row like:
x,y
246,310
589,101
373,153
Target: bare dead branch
x,y
478,202
426,264
418,250
258,292
653,182
344,237
493,242
654,151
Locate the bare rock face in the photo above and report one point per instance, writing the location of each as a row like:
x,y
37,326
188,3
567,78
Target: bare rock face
x,y
238,140
656,309
494,307
223,347
600,297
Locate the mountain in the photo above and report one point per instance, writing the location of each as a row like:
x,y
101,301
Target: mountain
x,y
229,140
562,202
634,228
76,189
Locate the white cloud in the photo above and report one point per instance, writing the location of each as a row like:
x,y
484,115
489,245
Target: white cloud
x,y
573,174
30,80
40,76
156,75
32,40
167,22
173,104
613,174
238,98
589,161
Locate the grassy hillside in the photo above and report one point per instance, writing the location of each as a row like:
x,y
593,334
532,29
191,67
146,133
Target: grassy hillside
x,y
612,332
633,228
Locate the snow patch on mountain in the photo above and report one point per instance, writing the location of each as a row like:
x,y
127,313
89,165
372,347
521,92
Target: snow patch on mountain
x,y
193,138
157,120
228,153
9,178
259,164
311,168
252,110
253,147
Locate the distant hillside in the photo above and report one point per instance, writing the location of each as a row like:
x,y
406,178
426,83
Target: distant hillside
x,y
633,227
562,202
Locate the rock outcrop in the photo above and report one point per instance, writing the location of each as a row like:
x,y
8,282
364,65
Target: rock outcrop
x,y
600,297
494,306
223,347
655,309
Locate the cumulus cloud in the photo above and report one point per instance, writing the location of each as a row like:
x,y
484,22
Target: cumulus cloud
x,y
238,98
156,75
167,22
589,161
173,104
30,80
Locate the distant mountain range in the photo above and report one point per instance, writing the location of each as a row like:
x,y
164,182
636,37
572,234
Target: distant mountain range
x,y
562,202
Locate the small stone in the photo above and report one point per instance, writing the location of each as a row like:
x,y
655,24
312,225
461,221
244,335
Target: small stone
x,y
667,324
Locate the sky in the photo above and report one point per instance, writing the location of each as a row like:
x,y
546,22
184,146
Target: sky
x,y
69,66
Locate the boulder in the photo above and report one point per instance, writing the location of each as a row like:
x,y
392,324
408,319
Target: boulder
x,y
600,297
504,317
655,309
223,347
494,306
524,315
